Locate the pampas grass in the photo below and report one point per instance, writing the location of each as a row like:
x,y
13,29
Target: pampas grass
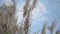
x,y
44,29
27,14
58,31
52,26
7,19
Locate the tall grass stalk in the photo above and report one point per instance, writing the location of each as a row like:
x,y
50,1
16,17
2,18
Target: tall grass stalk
x,y
52,26
44,29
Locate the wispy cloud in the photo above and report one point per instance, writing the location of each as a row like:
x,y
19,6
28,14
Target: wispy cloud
x,y
39,12
19,12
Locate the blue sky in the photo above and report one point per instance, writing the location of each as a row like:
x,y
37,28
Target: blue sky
x,y
46,10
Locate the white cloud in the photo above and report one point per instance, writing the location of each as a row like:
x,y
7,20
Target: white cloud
x,y
19,17
39,12
19,12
